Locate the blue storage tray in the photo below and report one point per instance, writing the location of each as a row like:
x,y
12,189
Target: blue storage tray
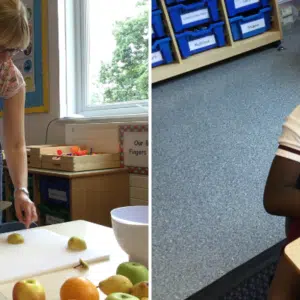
x,y
198,41
235,7
154,5
245,27
14,226
169,2
162,52
158,30
55,190
184,16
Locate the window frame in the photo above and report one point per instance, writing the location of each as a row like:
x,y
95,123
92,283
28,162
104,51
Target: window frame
x,y
76,44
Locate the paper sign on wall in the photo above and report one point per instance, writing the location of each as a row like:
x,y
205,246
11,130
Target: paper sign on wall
x,y
134,148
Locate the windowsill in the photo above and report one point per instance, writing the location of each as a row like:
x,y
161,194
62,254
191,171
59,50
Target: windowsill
x,y
109,114
78,119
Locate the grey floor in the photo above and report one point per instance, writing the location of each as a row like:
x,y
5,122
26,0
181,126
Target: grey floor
x,y
214,137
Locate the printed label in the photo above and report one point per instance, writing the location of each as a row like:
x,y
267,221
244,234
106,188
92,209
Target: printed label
x,y
156,57
194,16
242,3
202,42
57,195
254,25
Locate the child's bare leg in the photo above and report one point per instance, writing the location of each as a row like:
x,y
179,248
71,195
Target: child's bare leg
x,y
286,282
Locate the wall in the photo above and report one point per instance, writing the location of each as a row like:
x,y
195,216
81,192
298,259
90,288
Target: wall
x,y
101,136
36,124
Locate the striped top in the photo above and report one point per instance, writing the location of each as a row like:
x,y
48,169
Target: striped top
x,y
11,79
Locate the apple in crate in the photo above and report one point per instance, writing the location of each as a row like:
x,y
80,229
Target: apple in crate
x,y
29,289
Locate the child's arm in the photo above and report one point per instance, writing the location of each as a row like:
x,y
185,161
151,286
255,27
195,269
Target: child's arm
x,y
282,195
14,142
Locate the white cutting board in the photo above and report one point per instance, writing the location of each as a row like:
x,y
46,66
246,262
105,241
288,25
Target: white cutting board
x,y
43,251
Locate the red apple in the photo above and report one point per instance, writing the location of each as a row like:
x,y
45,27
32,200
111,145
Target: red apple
x,y
29,289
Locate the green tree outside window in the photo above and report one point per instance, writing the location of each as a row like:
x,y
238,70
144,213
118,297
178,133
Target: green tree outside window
x,y
125,78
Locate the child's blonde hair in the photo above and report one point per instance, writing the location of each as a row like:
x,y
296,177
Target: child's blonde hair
x,y
14,27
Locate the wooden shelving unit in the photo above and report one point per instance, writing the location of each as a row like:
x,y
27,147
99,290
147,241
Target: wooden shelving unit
x,y
209,57
92,194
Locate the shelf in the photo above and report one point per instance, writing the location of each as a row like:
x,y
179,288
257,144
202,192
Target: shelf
x,y
215,55
194,62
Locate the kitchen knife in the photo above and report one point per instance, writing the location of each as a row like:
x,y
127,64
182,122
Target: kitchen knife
x,y
2,297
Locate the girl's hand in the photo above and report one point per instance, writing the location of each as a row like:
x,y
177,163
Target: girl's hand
x,y
24,204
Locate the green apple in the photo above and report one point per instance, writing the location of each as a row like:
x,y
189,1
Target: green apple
x,y
134,271
121,296
29,289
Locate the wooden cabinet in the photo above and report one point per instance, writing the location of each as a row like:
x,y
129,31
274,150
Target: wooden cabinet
x,y
88,195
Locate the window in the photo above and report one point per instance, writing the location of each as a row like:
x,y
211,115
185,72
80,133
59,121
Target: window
x,y
106,57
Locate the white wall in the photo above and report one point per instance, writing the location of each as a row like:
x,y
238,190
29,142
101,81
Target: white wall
x,y
36,124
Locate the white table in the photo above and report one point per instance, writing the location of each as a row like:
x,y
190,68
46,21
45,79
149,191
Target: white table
x,y
97,272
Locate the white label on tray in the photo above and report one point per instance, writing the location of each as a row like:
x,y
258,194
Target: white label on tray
x,y
57,195
53,220
254,25
194,16
156,57
202,42
242,3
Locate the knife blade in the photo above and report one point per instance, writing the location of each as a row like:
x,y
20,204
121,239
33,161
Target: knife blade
x,y
2,297
4,205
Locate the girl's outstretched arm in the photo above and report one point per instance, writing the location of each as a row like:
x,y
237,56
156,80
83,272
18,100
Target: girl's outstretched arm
x,y
282,193
16,156
282,190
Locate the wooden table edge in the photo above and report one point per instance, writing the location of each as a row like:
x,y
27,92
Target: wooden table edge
x,y
288,256
67,174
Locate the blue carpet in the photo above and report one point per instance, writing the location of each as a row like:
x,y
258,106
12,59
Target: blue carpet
x,y
214,134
